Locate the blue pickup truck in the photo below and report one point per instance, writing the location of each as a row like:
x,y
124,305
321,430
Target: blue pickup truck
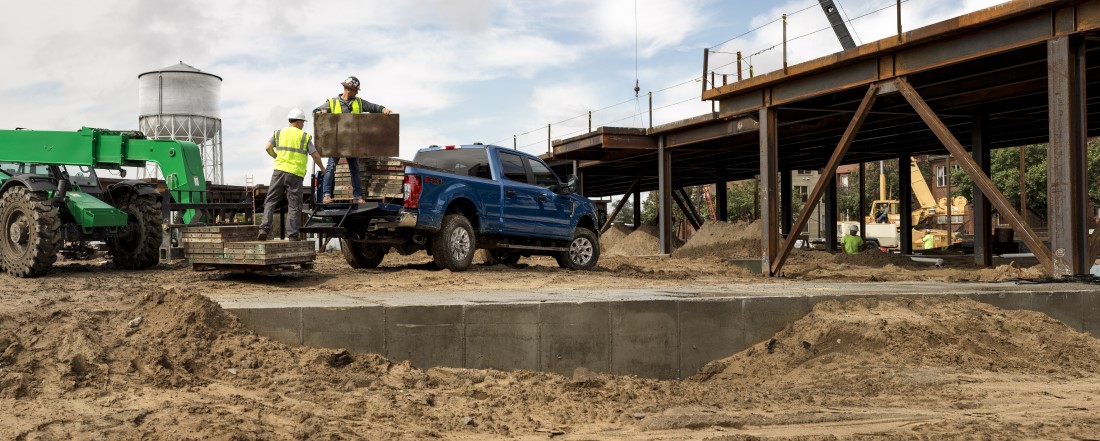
x,y
458,199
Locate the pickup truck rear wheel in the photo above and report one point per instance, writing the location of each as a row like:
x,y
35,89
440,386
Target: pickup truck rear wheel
x,y
363,255
453,248
583,252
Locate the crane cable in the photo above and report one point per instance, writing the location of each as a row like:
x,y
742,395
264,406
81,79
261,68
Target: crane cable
x,y
637,88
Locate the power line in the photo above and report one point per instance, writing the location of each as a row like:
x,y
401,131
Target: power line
x,y
763,26
845,12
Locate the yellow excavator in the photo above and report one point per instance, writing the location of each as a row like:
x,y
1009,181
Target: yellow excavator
x,y
888,212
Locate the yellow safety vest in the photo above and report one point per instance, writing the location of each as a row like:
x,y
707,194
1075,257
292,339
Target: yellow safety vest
x,y
291,151
335,107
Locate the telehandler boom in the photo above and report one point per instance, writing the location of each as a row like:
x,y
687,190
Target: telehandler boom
x,y
50,195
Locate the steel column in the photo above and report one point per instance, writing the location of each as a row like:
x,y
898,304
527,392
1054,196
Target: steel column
x,y
769,172
983,228
786,184
980,180
698,218
721,200
829,174
862,200
637,209
905,202
831,216
664,197
1067,169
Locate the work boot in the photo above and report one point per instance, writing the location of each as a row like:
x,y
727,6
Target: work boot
x,y
357,201
262,235
327,199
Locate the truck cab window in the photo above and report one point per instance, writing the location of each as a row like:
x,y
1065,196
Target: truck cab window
x,y
513,169
543,176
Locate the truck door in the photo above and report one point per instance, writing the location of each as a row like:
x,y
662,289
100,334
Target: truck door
x,y
519,199
554,210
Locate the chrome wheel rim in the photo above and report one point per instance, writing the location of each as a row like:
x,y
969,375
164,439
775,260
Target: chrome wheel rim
x,y
460,243
581,250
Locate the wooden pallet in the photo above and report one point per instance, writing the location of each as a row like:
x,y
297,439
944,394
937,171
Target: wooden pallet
x,y
381,179
236,248
273,269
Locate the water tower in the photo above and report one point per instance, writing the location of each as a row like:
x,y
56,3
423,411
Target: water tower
x,y
183,103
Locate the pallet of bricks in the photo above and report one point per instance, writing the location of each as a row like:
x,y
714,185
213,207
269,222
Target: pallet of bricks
x,y
382,179
235,248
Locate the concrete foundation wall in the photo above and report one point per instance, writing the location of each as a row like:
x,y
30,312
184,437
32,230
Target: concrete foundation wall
x,y
649,338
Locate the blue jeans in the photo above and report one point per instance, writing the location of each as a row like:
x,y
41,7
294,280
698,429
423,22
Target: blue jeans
x,y
329,183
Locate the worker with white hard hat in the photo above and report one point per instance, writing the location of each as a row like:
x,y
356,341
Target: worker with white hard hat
x,y
291,147
852,242
929,240
347,102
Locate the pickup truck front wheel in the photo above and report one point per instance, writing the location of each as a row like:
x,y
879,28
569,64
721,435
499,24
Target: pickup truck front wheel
x,y
583,252
453,248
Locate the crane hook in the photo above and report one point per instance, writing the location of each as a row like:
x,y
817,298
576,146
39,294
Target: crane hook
x,y
636,88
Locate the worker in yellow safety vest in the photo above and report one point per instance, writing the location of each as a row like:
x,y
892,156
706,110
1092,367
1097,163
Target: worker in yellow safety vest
x,y
347,102
291,147
852,242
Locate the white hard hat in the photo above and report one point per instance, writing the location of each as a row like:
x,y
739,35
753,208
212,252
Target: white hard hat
x,y
853,228
296,114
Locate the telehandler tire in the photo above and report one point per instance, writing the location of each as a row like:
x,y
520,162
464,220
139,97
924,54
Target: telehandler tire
x,y
137,245
31,232
363,255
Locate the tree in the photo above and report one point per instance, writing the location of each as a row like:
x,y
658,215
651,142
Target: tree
x,y
1004,171
741,201
626,214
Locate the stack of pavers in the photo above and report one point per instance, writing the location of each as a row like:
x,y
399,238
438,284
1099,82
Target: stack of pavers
x,y
233,247
382,179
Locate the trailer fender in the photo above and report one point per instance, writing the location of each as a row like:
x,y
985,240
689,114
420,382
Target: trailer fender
x,y
31,181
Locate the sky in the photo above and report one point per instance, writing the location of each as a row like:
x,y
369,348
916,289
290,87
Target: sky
x,y
457,71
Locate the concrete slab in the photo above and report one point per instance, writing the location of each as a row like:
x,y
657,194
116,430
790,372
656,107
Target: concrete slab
x,y
661,333
709,330
426,335
573,335
279,324
645,338
504,337
359,329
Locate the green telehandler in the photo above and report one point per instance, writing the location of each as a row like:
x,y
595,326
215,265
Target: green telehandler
x,y
50,195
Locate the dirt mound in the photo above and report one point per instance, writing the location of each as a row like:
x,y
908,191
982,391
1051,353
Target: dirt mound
x,y
642,242
613,236
725,240
874,257
171,365
872,347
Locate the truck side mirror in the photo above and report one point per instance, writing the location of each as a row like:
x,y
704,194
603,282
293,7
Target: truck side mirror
x,y
570,184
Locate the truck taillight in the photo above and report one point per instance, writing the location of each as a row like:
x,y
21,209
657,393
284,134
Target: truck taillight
x,y
412,191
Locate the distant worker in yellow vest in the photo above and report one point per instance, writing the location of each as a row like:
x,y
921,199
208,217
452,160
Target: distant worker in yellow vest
x,y
347,102
929,240
852,242
291,148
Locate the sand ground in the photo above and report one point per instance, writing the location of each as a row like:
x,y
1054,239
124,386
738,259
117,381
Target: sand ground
x,y
91,352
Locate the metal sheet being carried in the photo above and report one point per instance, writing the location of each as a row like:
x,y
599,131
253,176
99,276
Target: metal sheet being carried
x,y
361,135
